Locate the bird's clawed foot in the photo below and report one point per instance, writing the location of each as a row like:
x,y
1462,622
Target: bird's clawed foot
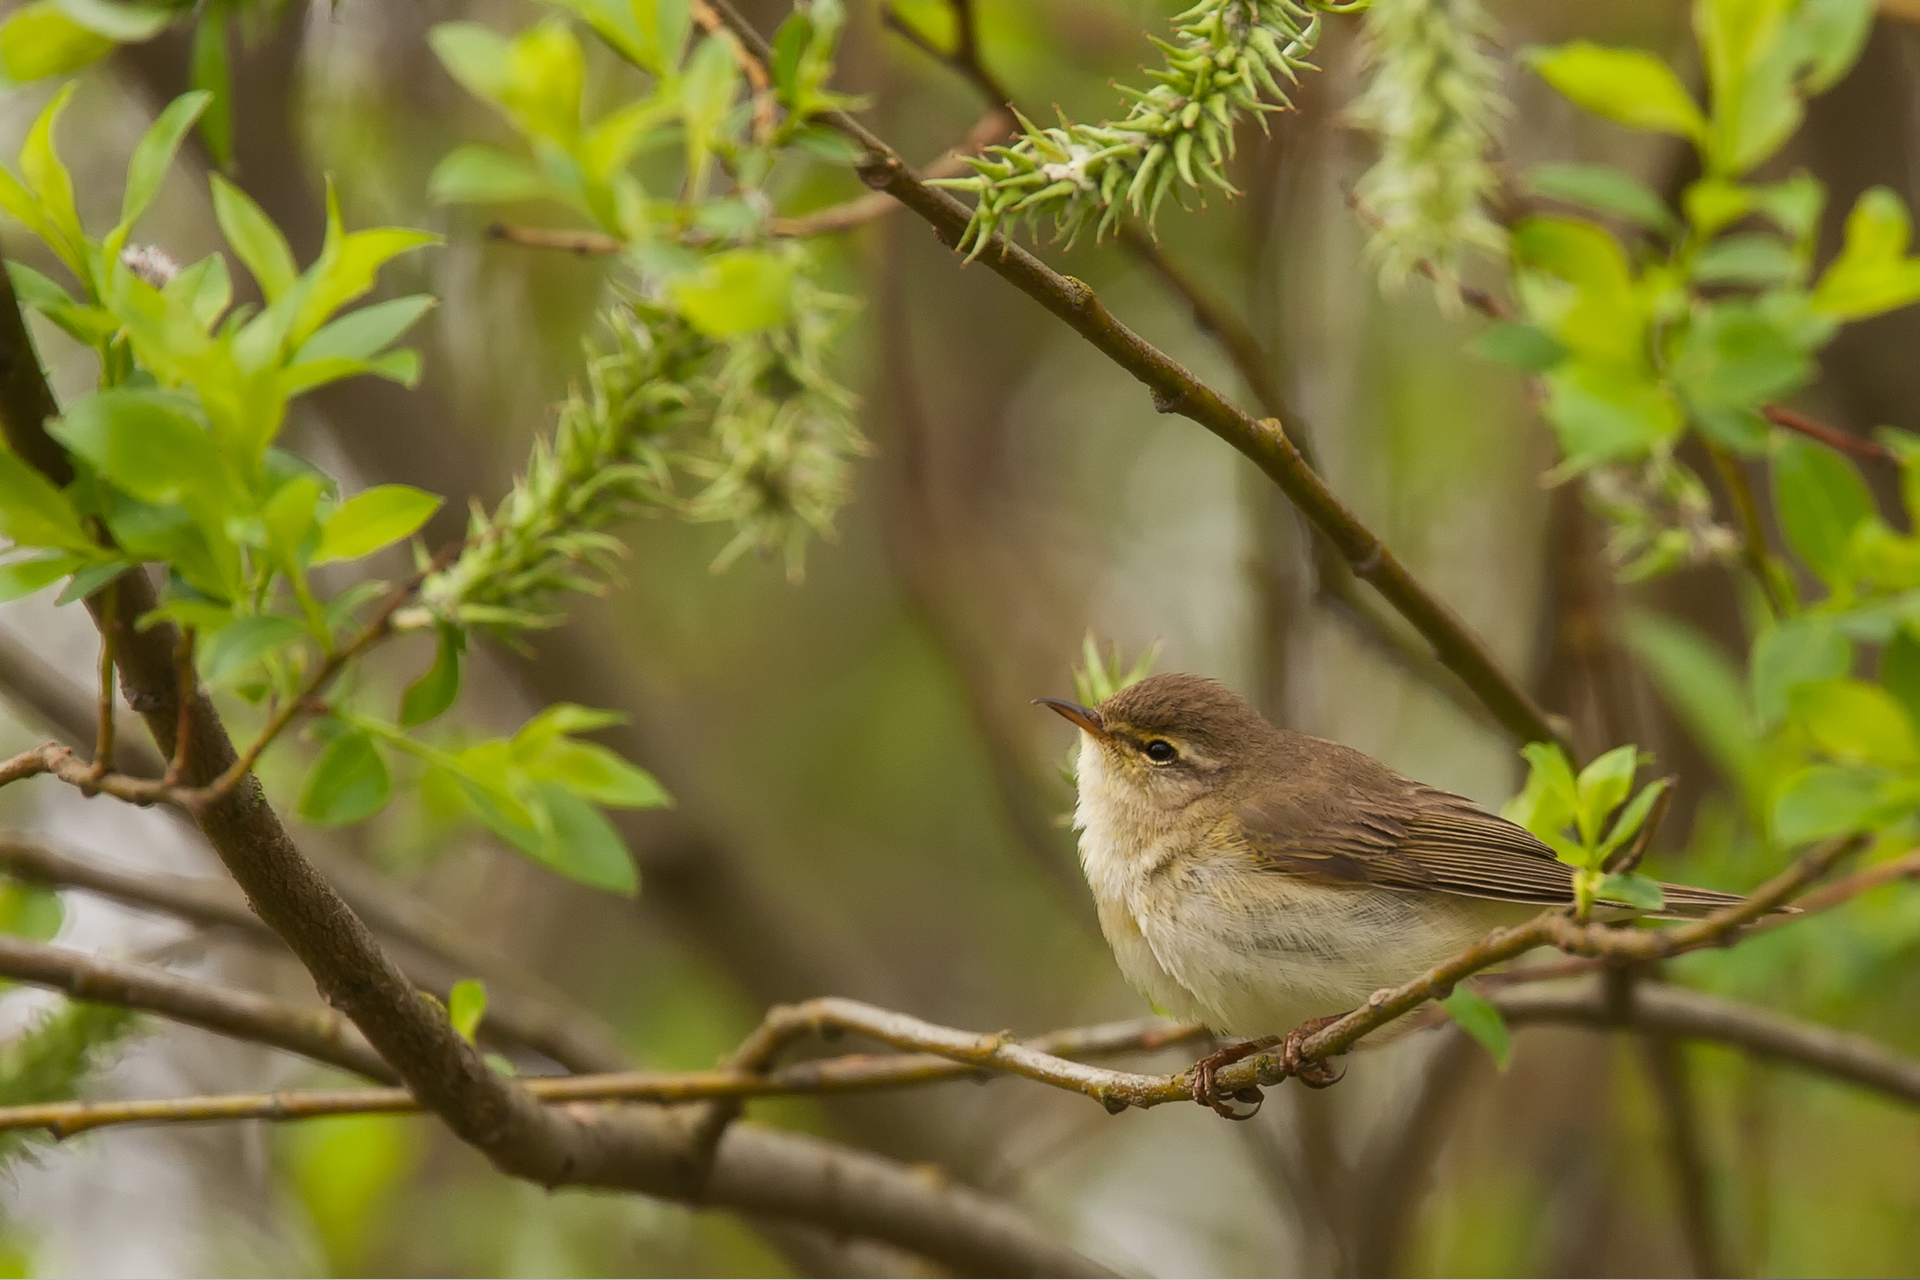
x,y
1207,1093
1314,1075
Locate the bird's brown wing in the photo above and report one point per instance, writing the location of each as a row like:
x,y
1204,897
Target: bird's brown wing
x,y
1410,837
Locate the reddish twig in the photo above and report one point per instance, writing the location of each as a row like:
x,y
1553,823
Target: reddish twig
x,y
1833,437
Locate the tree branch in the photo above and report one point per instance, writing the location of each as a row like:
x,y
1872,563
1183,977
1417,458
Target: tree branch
x,y
1673,1087
320,1034
1176,390
754,1170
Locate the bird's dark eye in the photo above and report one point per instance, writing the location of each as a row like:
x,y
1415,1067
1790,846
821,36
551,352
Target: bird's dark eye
x,y
1160,751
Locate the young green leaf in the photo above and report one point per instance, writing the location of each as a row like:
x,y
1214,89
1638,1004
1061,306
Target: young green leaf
x,y
1628,86
210,72
363,334
1799,651
435,691
148,445
1643,893
374,519
1702,686
584,846
1602,785
479,174
1527,346
1828,800
466,1005
255,240
236,649
154,156
37,41
1900,671
1548,802
1821,500
33,513
52,186
1857,723
1480,1019
1604,189
28,574
348,784
594,773
1631,819
1873,272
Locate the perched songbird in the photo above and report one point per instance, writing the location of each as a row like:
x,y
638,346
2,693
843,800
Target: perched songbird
x,y
1260,880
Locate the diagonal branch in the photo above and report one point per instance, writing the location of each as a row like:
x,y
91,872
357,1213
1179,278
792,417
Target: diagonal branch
x,y
1176,390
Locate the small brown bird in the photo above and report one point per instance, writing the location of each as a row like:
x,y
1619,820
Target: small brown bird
x,y
1259,880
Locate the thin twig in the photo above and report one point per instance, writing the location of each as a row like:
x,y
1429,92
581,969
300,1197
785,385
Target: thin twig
x,y
1833,437
1753,534
186,689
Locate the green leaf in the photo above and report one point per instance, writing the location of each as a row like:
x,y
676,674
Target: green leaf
x,y
1627,86
1601,414
1525,345
232,652
584,846
28,574
736,292
211,73
52,186
466,1005
1601,788
1856,723
1603,315
349,783
121,21
1699,682
33,513
88,325
1714,203
435,691
345,269
1872,273
1631,819
362,334
827,144
1640,892
1735,356
37,41
1480,1019
30,911
204,289
1793,204
1900,671
148,445
1753,258
1827,800
1799,651
1751,63
1830,35
477,57
374,519
594,773
706,95
154,156
560,719
1604,189
1821,500
478,174
1546,805
90,579
255,240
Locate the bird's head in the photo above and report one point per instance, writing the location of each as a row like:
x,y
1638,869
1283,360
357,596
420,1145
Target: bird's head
x,y
1168,740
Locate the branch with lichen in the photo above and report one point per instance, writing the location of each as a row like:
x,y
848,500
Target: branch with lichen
x,y
1226,58
1434,103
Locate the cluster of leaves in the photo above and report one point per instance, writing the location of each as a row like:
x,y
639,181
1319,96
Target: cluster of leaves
x,y
175,449
1227,57
1587,819
1813,748
748,328
1647,324
1434,102
176,464
45,38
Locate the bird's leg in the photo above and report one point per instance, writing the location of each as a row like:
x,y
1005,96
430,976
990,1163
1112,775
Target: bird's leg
x,y
1207,1094
1314,1075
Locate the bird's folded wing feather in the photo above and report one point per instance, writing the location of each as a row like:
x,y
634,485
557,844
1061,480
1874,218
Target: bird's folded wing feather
x,y
1426,840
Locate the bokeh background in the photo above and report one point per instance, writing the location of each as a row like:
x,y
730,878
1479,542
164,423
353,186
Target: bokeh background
x,y
866,804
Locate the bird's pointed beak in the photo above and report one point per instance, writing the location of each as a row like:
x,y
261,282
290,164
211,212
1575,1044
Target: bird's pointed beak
x,y
1086,717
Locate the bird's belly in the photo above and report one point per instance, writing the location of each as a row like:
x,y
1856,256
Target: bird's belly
x,y
1256,953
